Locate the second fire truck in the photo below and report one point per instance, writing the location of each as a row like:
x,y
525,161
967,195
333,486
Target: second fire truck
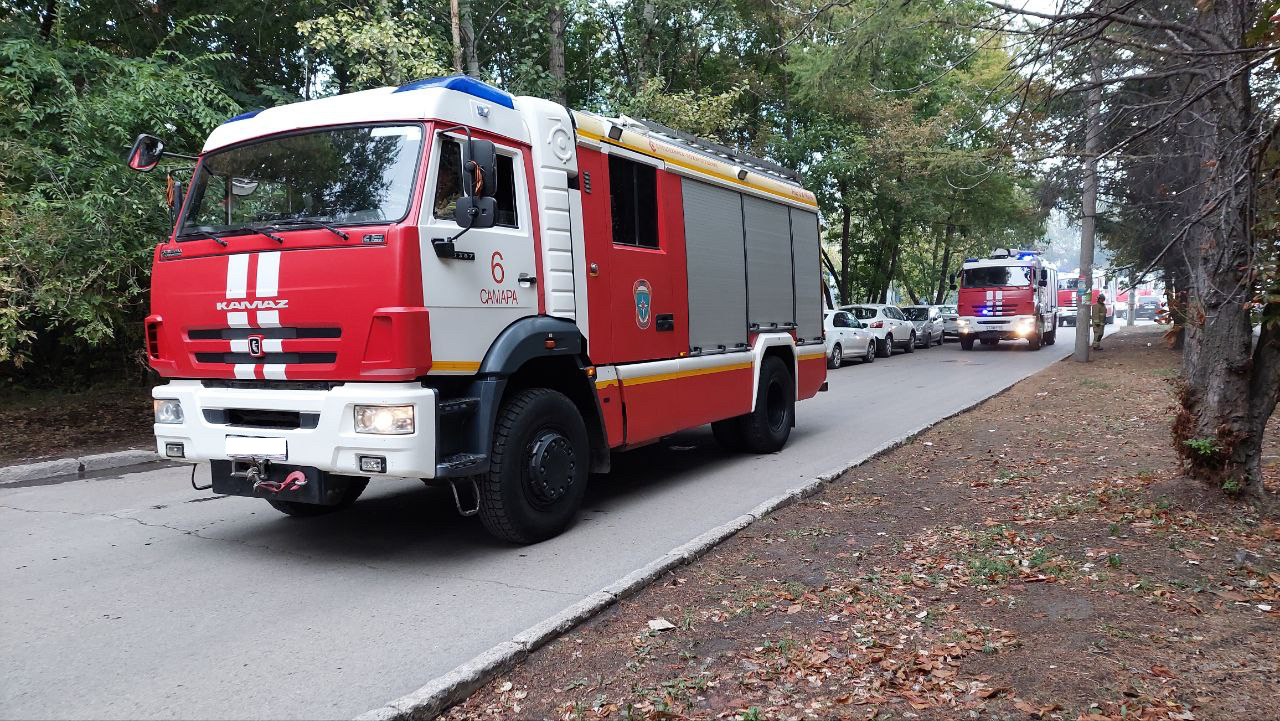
x,y
441,281
1011,295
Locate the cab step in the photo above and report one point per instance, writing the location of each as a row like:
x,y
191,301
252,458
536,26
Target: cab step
x,y
462,464
455,406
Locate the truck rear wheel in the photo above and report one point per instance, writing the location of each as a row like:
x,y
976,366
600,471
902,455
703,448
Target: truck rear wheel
x,y
538,467
767,428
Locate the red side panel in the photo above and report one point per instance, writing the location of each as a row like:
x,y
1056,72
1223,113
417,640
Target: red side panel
x,y
812,374
633,287
610,396
662,404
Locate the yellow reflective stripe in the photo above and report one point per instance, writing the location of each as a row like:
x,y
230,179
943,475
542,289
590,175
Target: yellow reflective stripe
x,y
690,166
465,366
811,356
658,377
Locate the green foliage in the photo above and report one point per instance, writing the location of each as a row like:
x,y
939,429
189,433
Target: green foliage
x,y
370,48
1204,447
79,226
891,112
705,115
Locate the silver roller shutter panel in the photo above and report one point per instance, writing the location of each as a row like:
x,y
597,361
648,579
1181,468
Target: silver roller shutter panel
x,y
716,266
769,275
808,273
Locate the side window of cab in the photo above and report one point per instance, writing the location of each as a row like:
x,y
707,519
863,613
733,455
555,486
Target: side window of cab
x,y
449,179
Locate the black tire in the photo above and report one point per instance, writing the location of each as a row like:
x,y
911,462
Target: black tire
x,y
870,355
836,359
1051,337
966,342
911,344
1034,340
884,348
767,428
311,510
1111,320
537,469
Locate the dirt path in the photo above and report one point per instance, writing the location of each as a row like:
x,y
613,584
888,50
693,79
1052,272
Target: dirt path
x,y
995,567
53,424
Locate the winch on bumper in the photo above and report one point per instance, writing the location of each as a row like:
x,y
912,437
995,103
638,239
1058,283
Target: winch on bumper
x,y
1009,328
302,428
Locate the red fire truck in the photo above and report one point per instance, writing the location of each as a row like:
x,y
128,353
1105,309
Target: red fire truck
x,y
441,281
1068,293
1008,296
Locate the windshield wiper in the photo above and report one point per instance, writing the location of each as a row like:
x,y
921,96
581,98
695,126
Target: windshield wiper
x,y
205,233
311,222
251,229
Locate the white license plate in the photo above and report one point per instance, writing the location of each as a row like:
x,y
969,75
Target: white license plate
x,y
250,447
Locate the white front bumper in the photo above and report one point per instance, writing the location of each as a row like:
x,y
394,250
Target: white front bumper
x,y
1008,324
332,445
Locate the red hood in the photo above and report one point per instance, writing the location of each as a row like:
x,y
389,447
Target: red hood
x,y
1000,301
349,311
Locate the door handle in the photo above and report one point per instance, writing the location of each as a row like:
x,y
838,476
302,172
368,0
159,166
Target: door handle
x,y
665,322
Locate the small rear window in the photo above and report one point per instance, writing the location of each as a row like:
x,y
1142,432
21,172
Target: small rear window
x,y
862,313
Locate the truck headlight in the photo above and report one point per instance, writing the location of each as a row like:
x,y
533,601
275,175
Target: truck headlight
x,y
384,420
167,410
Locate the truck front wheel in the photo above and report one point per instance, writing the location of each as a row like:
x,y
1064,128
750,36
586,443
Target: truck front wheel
x,y
538,468
966,342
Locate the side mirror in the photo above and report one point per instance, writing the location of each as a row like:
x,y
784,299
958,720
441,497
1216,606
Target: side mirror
x,y
1044,276
953,281
475,212
480,168
146,153
1044,283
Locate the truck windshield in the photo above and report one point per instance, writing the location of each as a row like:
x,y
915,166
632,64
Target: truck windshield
x,y
338,176
997,275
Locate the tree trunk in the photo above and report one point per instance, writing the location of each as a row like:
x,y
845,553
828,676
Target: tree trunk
x,y
468,32
555,61
455,31
48,18
895,236
943,285
846,263
1229,387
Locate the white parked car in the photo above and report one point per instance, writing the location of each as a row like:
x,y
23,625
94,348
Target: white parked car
x,y
950,320
890,327
847,338
928,322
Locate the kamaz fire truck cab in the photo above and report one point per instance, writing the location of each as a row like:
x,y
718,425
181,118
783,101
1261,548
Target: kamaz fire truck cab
x,y
441,281
1010,295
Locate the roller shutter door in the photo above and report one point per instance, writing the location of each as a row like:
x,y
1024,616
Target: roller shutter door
x,y
716,267
808,274
770,301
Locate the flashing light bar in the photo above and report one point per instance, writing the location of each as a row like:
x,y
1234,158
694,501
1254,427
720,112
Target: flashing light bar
x,y
462,84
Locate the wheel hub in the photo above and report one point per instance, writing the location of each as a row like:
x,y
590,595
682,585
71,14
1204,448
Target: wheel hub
x,y
552,467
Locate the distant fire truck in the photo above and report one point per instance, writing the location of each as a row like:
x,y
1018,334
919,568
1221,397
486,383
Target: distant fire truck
x,y
1008,296
441,281
1068,293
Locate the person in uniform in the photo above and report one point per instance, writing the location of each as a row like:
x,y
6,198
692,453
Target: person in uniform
x,y
1098,317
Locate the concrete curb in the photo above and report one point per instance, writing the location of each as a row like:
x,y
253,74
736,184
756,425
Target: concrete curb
x,y
77,466
455,686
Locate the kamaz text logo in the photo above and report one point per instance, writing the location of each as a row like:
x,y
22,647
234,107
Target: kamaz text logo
x,y
253,304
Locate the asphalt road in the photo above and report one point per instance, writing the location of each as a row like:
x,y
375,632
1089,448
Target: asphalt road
x,y
134,596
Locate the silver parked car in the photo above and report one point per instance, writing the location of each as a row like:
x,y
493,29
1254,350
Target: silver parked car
x,y
950,320
847,338
887,323
928,322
